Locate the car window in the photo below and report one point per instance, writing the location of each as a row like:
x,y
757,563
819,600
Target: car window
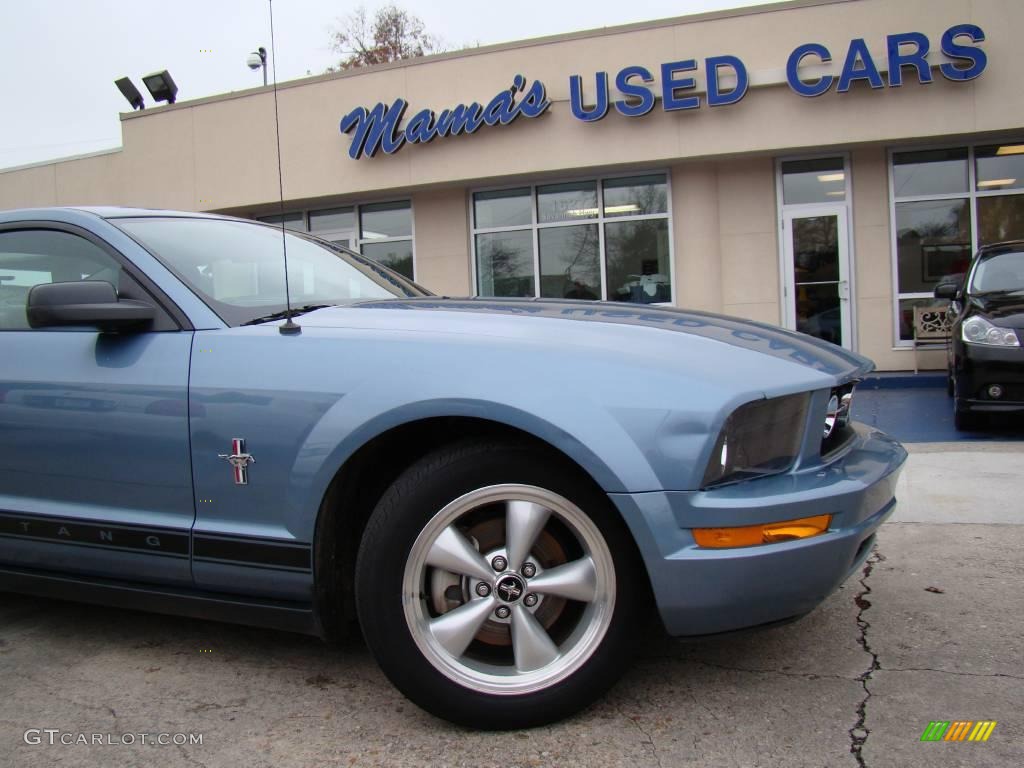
x,y
1001,272
32,257
237,267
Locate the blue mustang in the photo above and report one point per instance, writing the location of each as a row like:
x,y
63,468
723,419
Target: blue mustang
x,y
497,489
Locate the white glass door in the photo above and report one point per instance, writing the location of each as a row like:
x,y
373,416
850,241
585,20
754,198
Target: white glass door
x,y
817,272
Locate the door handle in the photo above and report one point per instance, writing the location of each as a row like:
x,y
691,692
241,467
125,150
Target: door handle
x,y
844,290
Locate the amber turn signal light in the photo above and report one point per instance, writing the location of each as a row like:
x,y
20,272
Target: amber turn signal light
x,y
765,533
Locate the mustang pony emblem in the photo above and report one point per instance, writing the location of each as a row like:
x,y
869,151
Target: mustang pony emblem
x,y
239,460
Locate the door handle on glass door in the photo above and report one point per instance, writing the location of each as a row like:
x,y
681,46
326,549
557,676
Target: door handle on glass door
x,y
844,290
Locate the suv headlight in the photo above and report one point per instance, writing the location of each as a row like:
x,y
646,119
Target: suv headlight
x,y
759,438
978,330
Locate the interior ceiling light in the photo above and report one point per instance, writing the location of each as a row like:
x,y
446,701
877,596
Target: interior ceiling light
x,y
1011,149
824,178
996,183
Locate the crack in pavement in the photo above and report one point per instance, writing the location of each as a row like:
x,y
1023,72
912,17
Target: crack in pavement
x,y
859,732
646,735
950,672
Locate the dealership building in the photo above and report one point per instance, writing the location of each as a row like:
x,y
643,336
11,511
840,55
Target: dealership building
x,y
817,164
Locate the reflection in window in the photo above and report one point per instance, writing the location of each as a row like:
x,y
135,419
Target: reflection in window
x,y
627,215
396,254
570,262
505,264
933,239
1000,218
999,167
293,221
384,231
635,196
821,180
332,219
932,172
638,261
382,220
502,208
567,202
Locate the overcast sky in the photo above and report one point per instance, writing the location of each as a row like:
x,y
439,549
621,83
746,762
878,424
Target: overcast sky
x,y
59,58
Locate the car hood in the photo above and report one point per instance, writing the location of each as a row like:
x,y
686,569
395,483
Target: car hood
x,y
1006,310
489,317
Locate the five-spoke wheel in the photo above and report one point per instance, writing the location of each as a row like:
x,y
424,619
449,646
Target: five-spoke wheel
x,y
497,588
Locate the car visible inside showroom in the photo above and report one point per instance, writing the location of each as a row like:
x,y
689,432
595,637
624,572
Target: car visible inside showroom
x,y
985,360
218,418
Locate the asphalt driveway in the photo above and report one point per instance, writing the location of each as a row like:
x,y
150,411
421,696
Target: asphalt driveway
x,y
931,630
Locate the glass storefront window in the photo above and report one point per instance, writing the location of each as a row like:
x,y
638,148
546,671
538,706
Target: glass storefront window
x,y
638,261
396,254
933,239
567,202
384,231
505,264
635,196
293,221
935,231
332,219
614,228
381,220
999,167
570,262
821,180
502,208
931,172
1000,217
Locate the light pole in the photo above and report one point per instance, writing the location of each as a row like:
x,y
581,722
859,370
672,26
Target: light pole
x,y
258,60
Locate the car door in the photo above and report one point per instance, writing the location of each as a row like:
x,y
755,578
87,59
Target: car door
x,y
95,474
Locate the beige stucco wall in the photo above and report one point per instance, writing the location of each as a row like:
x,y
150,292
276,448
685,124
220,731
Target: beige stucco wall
x,y
219,153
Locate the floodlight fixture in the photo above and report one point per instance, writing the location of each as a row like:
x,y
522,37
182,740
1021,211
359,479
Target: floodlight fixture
x,y
161,86
130,92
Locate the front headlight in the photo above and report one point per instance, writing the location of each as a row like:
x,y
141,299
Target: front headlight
x,y
978,330
759,438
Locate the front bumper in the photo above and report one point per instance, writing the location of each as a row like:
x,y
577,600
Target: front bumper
x,y
979,367
704,591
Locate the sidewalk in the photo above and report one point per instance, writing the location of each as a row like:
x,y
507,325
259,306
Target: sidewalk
x,y
917,409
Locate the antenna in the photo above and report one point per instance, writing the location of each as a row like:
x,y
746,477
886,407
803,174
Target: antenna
x,y
289,326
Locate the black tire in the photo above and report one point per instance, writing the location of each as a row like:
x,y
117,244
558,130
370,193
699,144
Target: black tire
x,y
405,510
950,387
964,420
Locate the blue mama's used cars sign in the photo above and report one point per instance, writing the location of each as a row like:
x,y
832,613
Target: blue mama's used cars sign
x,y
381,128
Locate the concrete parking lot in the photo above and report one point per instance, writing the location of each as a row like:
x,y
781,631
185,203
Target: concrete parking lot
x,y
931,630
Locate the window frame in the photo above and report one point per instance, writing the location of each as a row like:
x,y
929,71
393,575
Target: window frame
x,y
169,314
972,195
600,220
354,235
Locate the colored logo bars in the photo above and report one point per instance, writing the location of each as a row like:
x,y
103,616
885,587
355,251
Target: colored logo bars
x,y
958,730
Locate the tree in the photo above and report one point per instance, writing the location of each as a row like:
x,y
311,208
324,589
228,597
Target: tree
x,y
391,35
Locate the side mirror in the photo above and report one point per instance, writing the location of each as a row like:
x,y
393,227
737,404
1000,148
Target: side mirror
x,y
85,302
947,291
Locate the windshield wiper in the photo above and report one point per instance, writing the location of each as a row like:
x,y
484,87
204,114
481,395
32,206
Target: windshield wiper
x,y
284,313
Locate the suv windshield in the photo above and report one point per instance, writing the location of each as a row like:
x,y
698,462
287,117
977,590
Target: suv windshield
x,y
237,267
1001,272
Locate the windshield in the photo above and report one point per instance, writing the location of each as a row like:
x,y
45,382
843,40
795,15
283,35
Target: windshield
x,y
1003,272
237,268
